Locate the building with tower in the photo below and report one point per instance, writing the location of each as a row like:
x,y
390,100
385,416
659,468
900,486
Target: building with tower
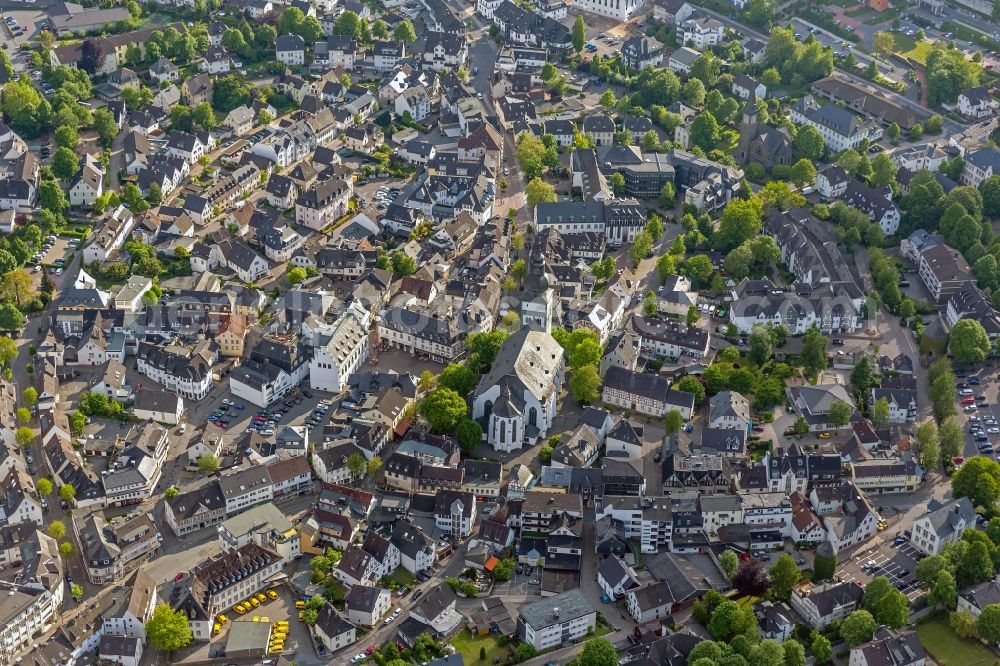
x,y
539,301
516,400
762,143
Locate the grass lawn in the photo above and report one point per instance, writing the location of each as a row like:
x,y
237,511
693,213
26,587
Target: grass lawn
x,y
403,577
950,650
881,17
903,41
155,19
469,646
858,12
967,34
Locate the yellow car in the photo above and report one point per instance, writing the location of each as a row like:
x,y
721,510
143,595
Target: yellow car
x,y
301,614
216,628
261,597
272,594
824,435
277,647
300,604
281,626
256,618
265,619
278,634
240,608
222,618
274,650
255,602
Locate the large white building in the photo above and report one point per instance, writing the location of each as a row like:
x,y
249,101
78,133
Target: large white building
x,y
519,394
264,525
943,523
556,620
701,32
227,580
622,10
839,128
339,356
184,371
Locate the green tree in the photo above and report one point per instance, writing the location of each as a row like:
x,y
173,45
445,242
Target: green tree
x,y
23,415
784,575
840,414
524,651
598,652
172,492
928,453
821,649
988,624
579,34
57,529
402,264
979,480
405,32
950,439
705,131
65,163
694,92
728,561
67,137
77,422
356,465
692,316
740,221
538,191
44,487
208,463
690,384
761,344
968,341
808,143
469,433
858,628
483,348
795,654
459,378
24,436
803,172
584,384
698,268
928,569
11,318
944,594
52,198
203,116
963,623
668,195
814,345
641,246
672,421
296,275
168,630
730,619
105,126
884,43
443,408
880,413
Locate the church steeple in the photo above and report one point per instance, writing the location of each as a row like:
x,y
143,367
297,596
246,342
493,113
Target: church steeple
x,y
749,118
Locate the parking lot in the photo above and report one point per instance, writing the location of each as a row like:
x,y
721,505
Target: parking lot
x,y
297,641
980,412
897,562
56,252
